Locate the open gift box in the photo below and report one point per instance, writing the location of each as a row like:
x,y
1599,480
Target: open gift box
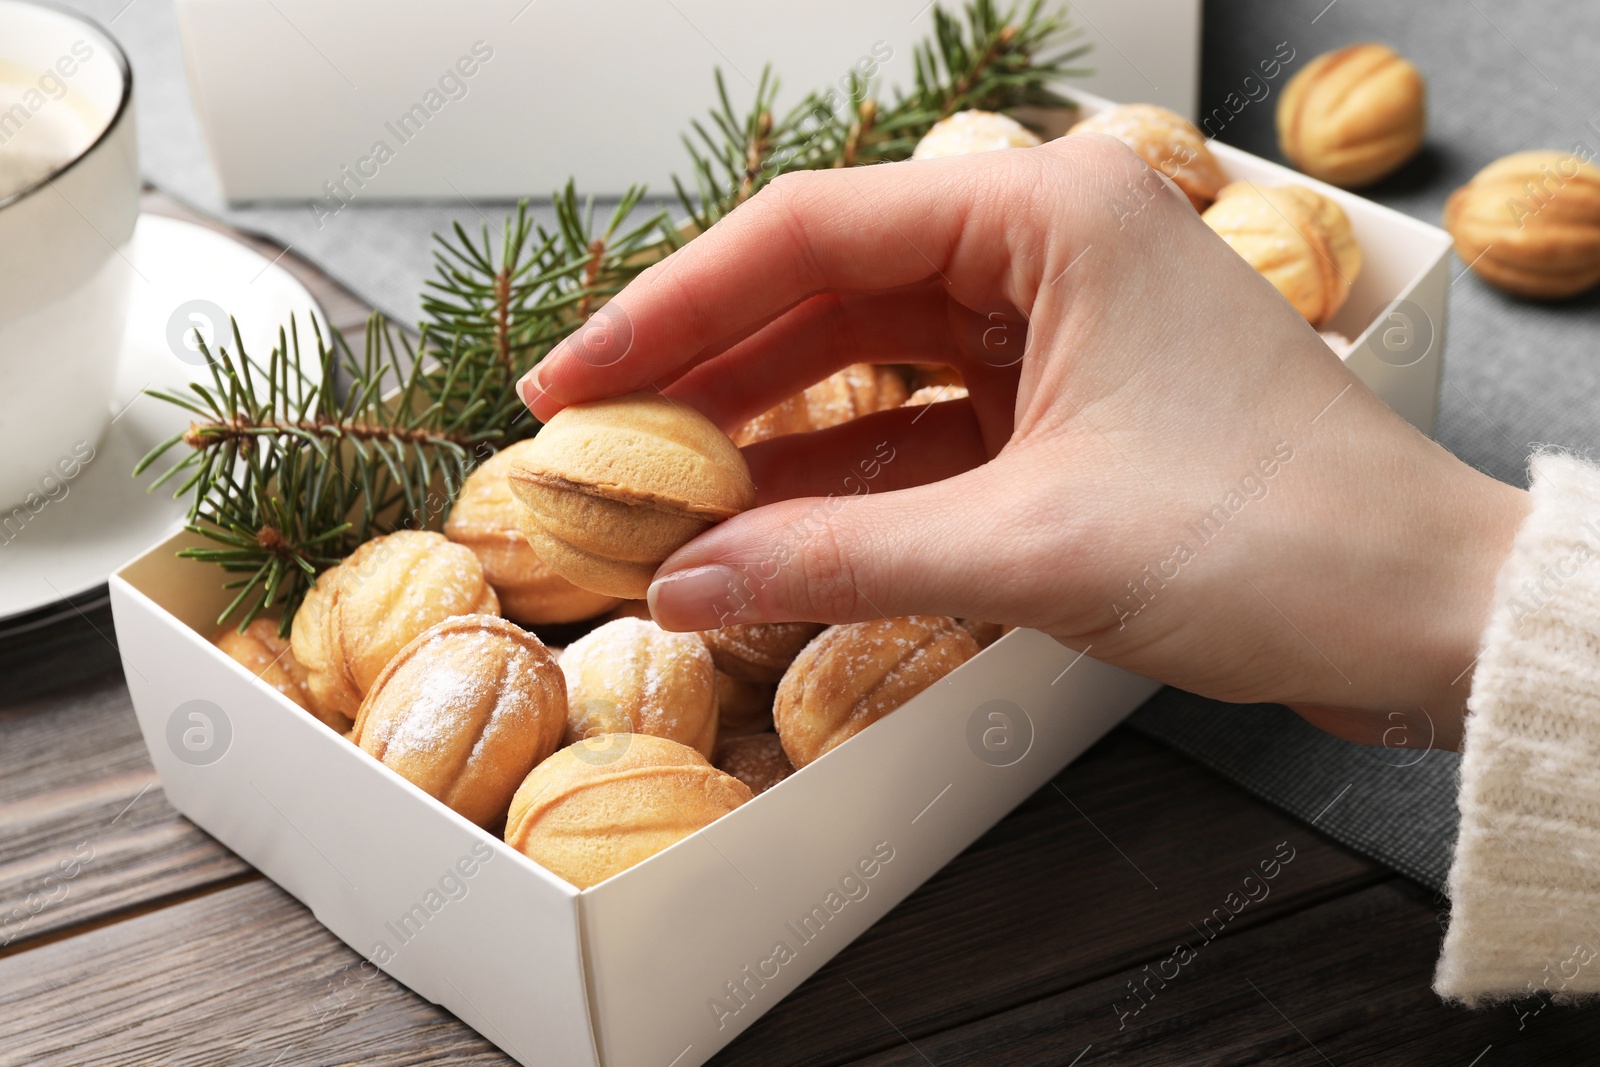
x,y
665,963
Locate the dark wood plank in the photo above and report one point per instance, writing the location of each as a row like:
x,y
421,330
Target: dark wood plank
x,y
1042,903
1345,982
244,975
78,650
1049,900
85,830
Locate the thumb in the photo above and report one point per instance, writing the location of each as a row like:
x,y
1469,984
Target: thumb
x,y
924,550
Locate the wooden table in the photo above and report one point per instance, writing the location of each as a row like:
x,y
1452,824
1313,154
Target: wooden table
x,y
130,937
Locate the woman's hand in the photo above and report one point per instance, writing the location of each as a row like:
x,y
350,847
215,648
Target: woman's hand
x,y
1160,462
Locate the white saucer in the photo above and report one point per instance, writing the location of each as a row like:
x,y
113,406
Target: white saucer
x,y
58,563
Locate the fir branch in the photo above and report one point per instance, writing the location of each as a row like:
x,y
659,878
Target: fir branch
x,y
985,59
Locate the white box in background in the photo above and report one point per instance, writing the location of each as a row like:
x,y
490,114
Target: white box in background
x,y
291,92
668,961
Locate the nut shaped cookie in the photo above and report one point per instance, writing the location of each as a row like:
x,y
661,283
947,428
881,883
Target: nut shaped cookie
x,y
599,806
630,676
853,675
484,519
611,488
1298,239
968,133
757,760
758,651
789,416
985,633
268,656
935,394
365,610
313,642
1168,142
742,707
860,389
1352,116
1529,224
465,711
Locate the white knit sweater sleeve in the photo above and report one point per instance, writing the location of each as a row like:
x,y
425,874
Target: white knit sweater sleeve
x,y
1525,881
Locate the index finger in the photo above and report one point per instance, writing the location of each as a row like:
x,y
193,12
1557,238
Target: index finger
x,y
863,230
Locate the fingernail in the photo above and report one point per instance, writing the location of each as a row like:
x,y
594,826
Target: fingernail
x,y
530,388
700,598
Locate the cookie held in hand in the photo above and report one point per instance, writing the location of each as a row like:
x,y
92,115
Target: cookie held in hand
x,y
484,519
610,489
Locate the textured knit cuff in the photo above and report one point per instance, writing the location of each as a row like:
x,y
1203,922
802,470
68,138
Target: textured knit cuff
x,y
1525,881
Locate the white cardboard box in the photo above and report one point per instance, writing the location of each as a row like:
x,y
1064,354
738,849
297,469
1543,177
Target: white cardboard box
x,y
291,92
668,961
633,970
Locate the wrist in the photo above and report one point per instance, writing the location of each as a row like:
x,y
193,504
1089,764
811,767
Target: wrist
x,y
1474,522
1425,615
1490,512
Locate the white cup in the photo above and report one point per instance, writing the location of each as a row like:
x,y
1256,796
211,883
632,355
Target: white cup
x,y
69,198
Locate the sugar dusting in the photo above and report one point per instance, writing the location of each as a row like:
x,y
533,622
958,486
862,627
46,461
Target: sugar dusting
x,y
398,587
883,664
757,760
859,389
446,696
970,132
935,394
655,677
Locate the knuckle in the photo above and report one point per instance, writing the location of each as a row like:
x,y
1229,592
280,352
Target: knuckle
x,y
1095,154
1104,181
781,215
829,577
788,185
785,200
